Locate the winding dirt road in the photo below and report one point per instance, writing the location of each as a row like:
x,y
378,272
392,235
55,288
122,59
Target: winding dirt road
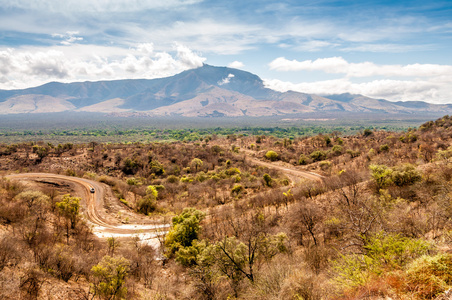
x,y
93,208
105,225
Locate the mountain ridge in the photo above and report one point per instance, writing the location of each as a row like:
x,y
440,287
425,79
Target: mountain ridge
x,y
201,92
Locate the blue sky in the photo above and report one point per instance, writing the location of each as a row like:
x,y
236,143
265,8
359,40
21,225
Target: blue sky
x,y
397,50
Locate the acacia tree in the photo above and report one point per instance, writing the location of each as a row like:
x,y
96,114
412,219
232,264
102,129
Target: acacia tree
x,y
148,203
184,231
197,163
109,277
69,208
243,245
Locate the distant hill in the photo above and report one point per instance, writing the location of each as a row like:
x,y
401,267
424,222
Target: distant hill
x,y
207,91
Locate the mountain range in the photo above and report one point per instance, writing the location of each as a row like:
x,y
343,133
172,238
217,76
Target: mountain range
x,y
207,91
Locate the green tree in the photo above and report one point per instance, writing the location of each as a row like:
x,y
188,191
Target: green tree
x,y
33,198
69,207
197,163
382,175
109,276
367,132
148,203
236,259
184,231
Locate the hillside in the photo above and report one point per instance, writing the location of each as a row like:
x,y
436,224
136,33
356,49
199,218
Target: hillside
x,y
328,216
207,91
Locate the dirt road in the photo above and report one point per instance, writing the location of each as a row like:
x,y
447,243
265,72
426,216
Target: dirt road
x,y
104,225
289,171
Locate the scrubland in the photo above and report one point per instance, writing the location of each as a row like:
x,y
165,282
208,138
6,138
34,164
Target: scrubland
x,y
376,225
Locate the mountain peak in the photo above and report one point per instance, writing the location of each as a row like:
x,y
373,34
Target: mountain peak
x,y
204,91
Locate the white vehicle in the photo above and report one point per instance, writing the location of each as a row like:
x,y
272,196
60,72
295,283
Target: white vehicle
x,y
92,190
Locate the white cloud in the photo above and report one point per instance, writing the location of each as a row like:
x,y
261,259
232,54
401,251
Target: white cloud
x,y
387,48
94,5
236,64
338,65
186,57
68,38
389,89
226,80
313,46
21,68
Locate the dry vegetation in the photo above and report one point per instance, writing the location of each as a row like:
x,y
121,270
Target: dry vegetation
x,y
377,226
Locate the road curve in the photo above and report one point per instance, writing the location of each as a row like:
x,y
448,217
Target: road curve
x,y
106,227
93,204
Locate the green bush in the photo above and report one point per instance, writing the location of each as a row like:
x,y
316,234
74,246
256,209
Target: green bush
x,y
318,155
184,231
268,179
147,204
303,159
232,171
393,250
109,277
383,253
337,150
237,189
429,276
384,147
367,132
271,155
382,175
172,179
405,175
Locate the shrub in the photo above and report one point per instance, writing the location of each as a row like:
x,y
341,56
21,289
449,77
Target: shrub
x,y
367,132
232,171
384,147
353,154
172,179
271,155
237,189
337,150
383,252
147,204
405,175
325,165
318,155
303,159
429,276
267,179
382,175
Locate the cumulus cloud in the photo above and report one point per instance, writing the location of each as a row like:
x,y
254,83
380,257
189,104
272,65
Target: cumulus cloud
x,y
426,82
21,68
431,91
236,64
338,65
189,59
